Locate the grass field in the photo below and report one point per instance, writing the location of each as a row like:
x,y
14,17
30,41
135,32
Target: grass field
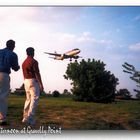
x,y
71,115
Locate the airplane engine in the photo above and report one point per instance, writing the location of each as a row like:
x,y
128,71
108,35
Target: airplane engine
x,y
62,56
76,57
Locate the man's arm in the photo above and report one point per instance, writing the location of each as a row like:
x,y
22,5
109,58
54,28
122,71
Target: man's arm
x,y
38,76
14,63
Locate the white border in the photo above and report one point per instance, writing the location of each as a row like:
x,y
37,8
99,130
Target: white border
x,y
71,2
126,135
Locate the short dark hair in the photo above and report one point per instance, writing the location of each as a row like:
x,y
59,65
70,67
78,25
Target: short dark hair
x,y
10,44
30,51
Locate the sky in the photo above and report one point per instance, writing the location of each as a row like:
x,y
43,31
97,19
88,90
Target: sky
x,y
109,34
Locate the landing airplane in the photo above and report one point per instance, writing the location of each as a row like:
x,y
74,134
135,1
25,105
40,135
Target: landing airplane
x,y
70,54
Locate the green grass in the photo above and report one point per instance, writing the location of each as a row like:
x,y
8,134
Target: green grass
x,y
71,115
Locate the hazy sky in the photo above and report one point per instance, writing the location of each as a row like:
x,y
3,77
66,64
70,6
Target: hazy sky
x,y
111,34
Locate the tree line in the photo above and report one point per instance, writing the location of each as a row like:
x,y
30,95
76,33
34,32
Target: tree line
x,y
91,82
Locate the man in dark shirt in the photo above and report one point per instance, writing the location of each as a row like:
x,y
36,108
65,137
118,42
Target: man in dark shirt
x,y
33,86
8,60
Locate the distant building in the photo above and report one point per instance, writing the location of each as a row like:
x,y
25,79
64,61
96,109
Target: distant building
x,y
20,90
119,97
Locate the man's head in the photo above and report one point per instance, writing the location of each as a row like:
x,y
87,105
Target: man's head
x,y
10,44
30,51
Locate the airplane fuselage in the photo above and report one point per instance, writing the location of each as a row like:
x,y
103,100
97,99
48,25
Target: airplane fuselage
x,y
70,54
73,52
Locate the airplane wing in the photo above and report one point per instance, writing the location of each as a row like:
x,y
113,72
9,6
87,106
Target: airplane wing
x,y
55,54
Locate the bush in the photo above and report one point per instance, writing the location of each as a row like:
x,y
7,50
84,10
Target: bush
x,y
124,93
20,93
91,82
56,93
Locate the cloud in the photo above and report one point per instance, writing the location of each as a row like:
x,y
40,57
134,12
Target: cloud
x,y
59,14
105,42
135,47
64,41
87,37
19,22
17,13
41,14
136,18
118,30
106,33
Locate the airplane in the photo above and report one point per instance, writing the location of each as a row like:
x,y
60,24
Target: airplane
x,y
70,54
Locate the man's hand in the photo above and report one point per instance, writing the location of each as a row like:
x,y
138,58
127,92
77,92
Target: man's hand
x,y
41,88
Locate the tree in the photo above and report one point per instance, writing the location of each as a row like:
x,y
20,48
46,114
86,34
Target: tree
x,y
135,76
91,82
124,93
56,93
20,91
65,91
138,95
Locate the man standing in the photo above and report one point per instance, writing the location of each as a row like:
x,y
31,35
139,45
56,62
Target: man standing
x,y
8,60
33,86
